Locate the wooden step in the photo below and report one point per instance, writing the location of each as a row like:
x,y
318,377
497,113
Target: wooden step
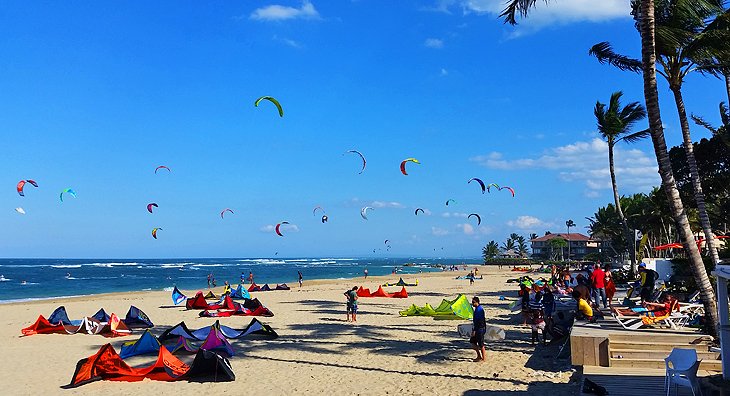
x,y
656,346
664,337
710,365
644,354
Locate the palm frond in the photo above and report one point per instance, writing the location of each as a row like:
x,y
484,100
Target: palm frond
x,y
513,8
605,55
636,136
701,122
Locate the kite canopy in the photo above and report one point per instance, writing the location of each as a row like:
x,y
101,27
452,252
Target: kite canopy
x,y
492,185
458,308
21,185
136,318
106,364
150,206
362,292
364,212
162,167
508,189
278,228
240,293
255,328
67,191
422,211
272,100
401,282
226,210
216,342
197,302
481,183
364,162
146,344
479,218
403,165
450,201
177,296
154,232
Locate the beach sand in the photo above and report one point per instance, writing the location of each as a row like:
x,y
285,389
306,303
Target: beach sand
x,y
317,351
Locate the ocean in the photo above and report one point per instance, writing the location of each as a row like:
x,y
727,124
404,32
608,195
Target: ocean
x,y
29,279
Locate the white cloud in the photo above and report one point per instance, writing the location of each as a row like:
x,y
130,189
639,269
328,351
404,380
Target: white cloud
x,y
439,231
558,12
467,229
282,13
384,204
585,162
287,41
529,223
284,227
434,43
454,214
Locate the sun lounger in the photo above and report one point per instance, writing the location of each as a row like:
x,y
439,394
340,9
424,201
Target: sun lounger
x,y
676,320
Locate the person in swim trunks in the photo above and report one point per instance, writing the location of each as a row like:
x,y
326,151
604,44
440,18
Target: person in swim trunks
x,y
352,303
479,328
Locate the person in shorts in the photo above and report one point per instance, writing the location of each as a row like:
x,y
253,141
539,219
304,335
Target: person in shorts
x,y
352,303
479,328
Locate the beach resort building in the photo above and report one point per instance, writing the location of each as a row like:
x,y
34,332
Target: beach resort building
x,y
580,245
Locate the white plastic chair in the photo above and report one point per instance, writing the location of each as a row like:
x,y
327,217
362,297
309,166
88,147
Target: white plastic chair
x,y
682,366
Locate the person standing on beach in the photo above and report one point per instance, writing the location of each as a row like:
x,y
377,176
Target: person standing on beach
x,y
243,279
300,278
598,281
250,277
352,303
209,276
366,273
479,328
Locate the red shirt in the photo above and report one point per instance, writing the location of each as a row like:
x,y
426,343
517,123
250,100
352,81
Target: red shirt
x,y
598,278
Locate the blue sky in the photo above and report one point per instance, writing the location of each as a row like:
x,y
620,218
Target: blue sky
x,y
95,97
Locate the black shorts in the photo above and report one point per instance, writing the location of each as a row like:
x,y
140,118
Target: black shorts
x,y
478,338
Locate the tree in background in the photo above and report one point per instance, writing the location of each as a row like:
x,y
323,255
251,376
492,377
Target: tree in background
x,y
490,251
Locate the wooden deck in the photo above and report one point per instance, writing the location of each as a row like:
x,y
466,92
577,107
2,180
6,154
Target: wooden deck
x,y
631,381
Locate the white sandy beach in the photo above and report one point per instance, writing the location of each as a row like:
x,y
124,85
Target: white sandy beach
x,y
317,350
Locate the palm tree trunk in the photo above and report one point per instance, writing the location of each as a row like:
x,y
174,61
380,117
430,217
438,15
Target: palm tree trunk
x,y
694,173
620,211
727,86
651,95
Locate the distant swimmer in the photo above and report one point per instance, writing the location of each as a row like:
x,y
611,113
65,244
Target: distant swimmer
x,y
23,283
68,275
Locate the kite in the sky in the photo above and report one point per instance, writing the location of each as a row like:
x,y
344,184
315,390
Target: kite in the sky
x,y
403,164
314,212
386,241
272,100
21,185
492,185
420,210
508,188
278,228
150,206
449,201
68,191
154,232
481,183
479,218
162,167
364,212
20,210
226,210
364,162
325,219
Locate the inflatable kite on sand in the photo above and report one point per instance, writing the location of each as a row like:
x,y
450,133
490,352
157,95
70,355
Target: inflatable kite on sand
x,y
362,292
99,323
106,364
255,328
401,282
458,308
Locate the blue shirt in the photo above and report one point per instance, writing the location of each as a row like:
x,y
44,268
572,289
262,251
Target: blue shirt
x,y
480,321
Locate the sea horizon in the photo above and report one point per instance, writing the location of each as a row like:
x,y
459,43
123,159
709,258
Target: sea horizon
x,y
34,279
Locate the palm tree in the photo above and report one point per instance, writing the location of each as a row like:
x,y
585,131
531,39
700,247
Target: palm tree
x,y
508,244
490,251
644,14
685,44
521,246
569,224
557,243
614,125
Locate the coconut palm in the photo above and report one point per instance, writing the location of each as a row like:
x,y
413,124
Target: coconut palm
x,y
615,124
490,251
555,244
508,244
684,45
569,224
644,15
521,243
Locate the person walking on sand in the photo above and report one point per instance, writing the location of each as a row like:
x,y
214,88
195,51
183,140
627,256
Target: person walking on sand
x,y
300,279
366,273
352,303
479,328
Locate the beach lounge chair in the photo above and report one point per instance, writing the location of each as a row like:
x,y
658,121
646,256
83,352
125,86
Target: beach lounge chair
x,y
681,370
